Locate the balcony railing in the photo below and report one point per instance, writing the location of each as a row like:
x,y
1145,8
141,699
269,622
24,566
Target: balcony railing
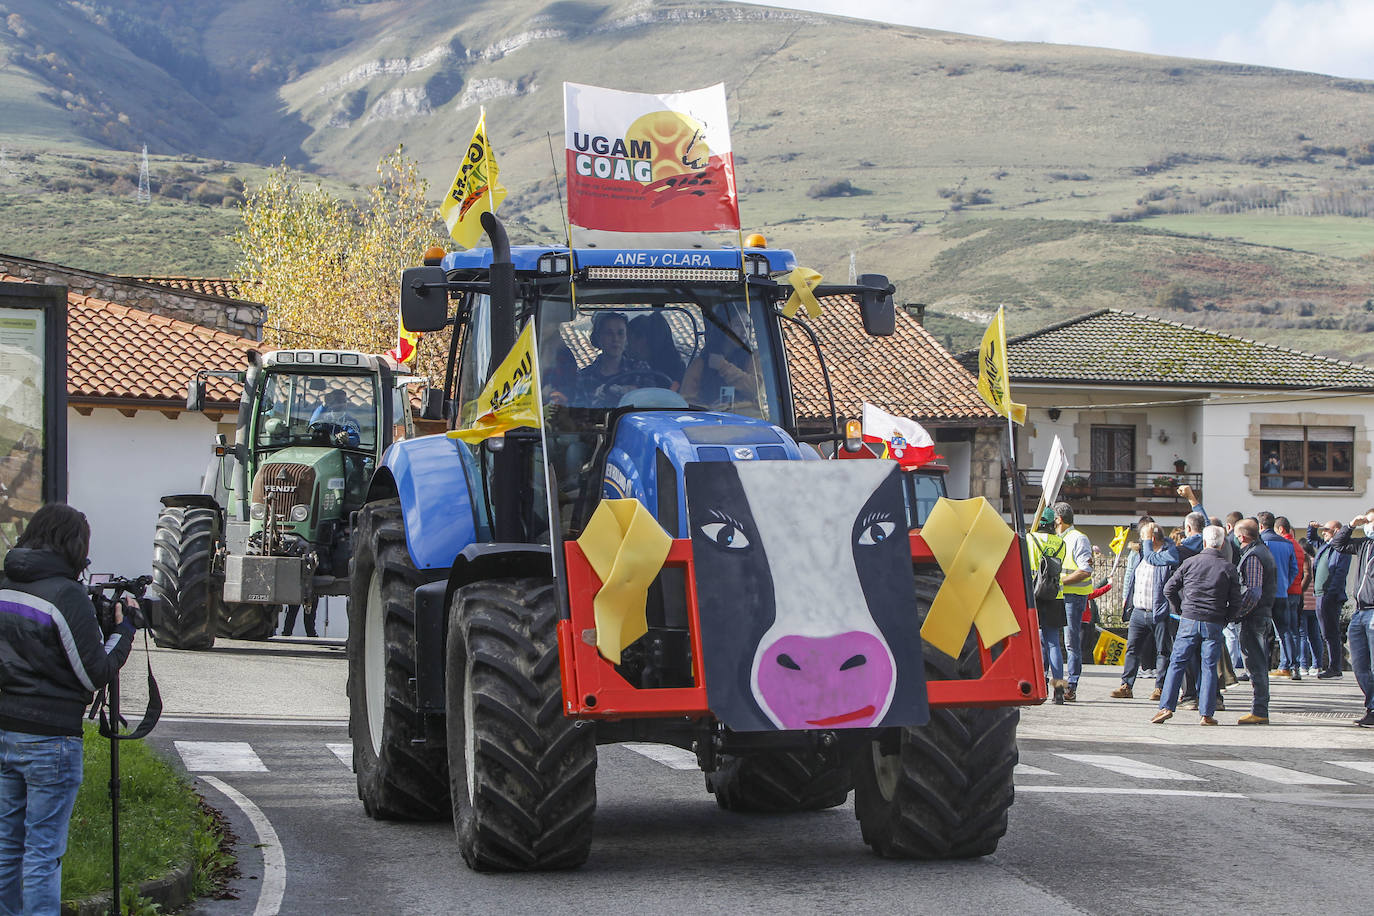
x,y
1127,494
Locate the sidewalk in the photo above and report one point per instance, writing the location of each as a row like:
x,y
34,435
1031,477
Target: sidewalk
x,y
1306,714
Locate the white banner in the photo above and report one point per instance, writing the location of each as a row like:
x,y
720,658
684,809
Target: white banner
x,y
1056,466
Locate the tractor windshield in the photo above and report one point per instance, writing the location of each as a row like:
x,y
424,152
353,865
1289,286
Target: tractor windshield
x,y
670,345
328,410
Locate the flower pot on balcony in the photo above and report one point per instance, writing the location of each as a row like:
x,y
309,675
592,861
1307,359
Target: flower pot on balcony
x,y
1075,490
1163,491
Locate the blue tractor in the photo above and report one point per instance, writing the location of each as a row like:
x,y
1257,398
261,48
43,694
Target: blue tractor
x,y
477,686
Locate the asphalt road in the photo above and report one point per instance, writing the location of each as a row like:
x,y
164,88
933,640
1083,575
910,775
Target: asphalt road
x,y
1112,815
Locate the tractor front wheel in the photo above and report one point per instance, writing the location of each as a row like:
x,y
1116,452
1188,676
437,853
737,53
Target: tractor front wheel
x,y
400,776
183,567
779,782
522,777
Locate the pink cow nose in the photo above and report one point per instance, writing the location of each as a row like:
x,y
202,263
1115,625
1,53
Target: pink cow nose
x,y
827,681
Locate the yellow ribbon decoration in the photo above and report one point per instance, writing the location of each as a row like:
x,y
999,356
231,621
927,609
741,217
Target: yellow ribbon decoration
x,y
803,280
626,547
969,541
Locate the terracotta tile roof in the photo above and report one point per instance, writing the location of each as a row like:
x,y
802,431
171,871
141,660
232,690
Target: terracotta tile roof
x,y
908,374
1119,347
216,287
118,353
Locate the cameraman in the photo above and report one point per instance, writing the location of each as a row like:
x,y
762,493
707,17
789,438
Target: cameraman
x,y
52,657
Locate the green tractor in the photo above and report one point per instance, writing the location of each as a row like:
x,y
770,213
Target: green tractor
x,y
272,523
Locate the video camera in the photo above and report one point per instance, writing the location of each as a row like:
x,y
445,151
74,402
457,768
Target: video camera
x,y
105,604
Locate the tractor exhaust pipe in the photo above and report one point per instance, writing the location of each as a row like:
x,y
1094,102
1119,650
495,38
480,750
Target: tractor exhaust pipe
x,y
506,473
250,389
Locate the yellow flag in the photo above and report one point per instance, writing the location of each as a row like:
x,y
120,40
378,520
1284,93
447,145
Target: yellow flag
x,y
1119,541
993,383
476,189
511,395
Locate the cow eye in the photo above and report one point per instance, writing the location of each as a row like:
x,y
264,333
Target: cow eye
x,y
725,534
786,661
877,532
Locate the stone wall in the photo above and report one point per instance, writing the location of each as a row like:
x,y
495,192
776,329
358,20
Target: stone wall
x,y
985,471
237,317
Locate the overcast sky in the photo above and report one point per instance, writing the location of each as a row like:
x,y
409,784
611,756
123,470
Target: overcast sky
x,y
1325,36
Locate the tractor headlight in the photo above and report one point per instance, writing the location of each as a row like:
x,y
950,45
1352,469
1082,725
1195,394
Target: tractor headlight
x,y
300,512
258,511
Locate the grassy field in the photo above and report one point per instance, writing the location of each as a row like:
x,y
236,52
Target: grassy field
x,y
1337,236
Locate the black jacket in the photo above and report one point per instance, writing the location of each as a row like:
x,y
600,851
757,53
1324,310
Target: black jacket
x,y
1210,587
52,657
1363,550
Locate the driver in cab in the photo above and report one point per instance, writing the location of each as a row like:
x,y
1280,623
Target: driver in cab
x,y
610,334
334,414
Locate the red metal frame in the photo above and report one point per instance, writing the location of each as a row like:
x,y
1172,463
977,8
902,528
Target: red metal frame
x,y
593,689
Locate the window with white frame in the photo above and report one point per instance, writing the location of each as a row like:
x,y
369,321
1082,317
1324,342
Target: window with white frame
x,y
1307,457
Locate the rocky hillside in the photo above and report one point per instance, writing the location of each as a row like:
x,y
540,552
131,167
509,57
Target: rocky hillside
x,y
1053,179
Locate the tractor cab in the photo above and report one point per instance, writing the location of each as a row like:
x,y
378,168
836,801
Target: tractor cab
x,y
622,337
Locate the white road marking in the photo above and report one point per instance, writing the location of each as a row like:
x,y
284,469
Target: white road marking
x,y
1363,766
1272,773
1128,767
343,751
219,757
1025,769
666,754
1102,790
273,856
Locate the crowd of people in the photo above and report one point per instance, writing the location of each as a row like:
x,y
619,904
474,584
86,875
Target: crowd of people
x,y
1211,601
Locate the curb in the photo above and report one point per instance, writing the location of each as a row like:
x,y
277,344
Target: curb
x,y
172,890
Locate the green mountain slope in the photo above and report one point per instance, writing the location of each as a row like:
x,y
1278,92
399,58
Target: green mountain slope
x,y
1052,179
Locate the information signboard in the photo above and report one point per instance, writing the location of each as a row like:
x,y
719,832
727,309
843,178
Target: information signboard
x,y
33,397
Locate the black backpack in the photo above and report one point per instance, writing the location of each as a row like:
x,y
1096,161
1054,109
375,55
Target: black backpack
x,y
1045,582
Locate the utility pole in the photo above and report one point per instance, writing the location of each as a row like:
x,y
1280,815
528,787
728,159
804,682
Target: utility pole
x,y
145,194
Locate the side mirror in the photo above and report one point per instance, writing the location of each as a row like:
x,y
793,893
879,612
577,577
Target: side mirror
x,y
424,298
433,404
195,394
876,306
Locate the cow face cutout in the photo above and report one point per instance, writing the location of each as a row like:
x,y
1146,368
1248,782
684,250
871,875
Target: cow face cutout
x,y
805,594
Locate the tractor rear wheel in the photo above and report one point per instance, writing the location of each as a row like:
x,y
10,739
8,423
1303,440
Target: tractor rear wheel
x,y
522,777
241,620
399,776
941,790
183,566
779,782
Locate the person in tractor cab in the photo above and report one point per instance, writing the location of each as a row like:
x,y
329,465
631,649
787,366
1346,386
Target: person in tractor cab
x,y
344,429
723,372
610,335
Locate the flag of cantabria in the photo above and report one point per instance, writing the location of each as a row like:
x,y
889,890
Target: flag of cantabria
x,y
993,383
475,190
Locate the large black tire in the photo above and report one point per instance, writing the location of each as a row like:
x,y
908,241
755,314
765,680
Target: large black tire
x,y
398,778
183,564
943,790
522,777
779,782
242,620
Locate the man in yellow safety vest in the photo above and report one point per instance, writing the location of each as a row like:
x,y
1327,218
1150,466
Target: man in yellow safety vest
x,y
1077,581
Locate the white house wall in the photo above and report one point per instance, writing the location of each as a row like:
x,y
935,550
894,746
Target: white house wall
x,y
118,469
1227,486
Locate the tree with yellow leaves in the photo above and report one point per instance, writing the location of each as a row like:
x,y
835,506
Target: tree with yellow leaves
x,y
330,271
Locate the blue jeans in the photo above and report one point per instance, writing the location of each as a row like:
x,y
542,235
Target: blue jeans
x,y
1050,638
1232,631
1286,610
1152,628
1254,645
1361,636
1309,639
1074,606
39,776
1329,616
1191,633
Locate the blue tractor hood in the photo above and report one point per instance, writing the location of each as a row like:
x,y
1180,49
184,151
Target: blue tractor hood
x,y
651,449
